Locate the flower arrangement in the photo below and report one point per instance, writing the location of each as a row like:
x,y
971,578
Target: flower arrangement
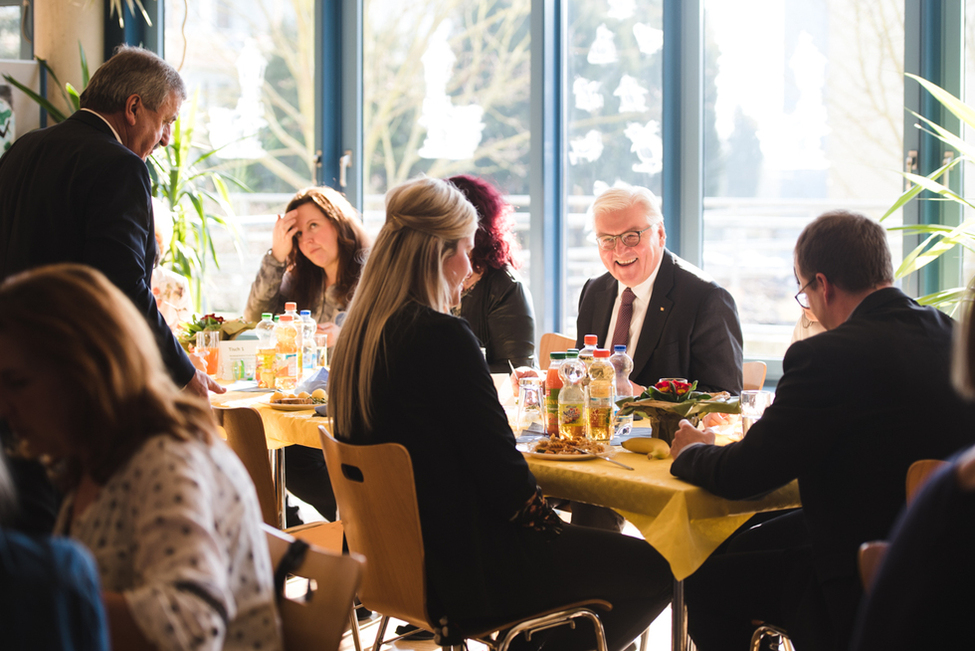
x,y
670,400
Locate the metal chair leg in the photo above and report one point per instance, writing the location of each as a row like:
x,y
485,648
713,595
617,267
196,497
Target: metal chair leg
x,y
355,628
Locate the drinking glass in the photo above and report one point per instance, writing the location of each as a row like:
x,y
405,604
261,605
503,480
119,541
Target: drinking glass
x,y
529,403
321,342
208,344
753,404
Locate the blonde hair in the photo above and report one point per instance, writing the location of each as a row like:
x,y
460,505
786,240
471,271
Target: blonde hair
x,y
75,320
425,218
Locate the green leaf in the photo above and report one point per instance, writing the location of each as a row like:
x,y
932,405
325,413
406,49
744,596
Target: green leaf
x,y
85,77
54,112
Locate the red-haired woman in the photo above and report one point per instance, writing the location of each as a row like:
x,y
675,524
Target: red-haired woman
x,y
495,301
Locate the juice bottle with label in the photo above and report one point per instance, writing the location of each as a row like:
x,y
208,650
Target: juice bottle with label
x,y
553,384
572,398
286,354
264,369
602,395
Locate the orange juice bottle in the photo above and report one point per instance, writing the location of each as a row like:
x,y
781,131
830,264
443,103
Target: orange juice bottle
x,y
286,354
553,384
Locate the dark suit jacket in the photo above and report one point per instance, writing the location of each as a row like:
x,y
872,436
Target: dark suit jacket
x,y
854,408
691,329
73,193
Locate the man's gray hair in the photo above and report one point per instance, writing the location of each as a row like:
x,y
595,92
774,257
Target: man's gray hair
x,y
623,198
131,71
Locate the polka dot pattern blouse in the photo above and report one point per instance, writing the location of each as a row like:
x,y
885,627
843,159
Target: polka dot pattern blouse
x,y
177,530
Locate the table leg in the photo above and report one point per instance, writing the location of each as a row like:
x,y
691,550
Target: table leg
x,y
678,620
277,467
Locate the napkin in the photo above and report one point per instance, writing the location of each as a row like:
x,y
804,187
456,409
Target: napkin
x,y
317,380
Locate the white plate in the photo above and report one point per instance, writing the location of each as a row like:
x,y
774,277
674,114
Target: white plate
x,y
280,407
562,457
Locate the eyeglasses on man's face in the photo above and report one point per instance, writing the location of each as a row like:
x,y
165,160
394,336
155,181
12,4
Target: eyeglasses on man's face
x,y
629,239
801,297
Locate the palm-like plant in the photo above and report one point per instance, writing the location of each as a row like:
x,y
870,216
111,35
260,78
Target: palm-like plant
x,y
938,239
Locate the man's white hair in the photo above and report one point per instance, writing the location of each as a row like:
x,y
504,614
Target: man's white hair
x,y
623,197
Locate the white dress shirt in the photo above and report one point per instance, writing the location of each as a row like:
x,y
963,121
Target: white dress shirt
x,y
643,293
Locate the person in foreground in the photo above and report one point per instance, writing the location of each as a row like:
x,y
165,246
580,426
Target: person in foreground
x,y
167,510
49,596
79,191
856,405
495,302
406,371
674,320
923,593
315,259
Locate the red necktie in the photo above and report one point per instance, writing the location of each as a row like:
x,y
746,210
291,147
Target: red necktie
x,y
621,335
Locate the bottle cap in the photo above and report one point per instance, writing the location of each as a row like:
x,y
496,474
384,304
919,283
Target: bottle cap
x,y
591,340
305,313
600,352
572,353
619,348
557,356
290,306
266,315
285,318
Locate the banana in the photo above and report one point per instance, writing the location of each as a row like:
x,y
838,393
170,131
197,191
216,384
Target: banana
x,y
653,448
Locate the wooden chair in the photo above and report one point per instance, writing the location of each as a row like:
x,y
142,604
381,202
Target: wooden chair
x,y
753,375
552,342
245,436
319,620
374,488
871,553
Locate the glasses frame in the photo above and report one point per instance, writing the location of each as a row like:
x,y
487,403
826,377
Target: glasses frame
x,y
804,302
612,238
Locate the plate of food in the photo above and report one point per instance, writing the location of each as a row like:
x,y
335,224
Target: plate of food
x,y
571,450
293,402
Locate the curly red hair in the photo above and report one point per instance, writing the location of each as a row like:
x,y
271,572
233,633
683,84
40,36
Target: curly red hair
x,y
494,241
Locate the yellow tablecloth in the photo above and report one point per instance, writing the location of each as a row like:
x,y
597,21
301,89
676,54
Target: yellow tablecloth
x,y
282,428
683,522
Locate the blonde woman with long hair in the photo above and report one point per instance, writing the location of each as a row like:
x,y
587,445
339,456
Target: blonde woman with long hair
x,y
406,371
167,510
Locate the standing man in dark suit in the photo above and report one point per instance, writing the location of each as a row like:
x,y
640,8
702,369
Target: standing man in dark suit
x,y
856,405
80,191
674,321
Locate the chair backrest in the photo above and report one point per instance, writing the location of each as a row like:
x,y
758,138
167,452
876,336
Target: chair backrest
x,y
918,474
552,342
245,435
753,375
320,621
869,558
376,496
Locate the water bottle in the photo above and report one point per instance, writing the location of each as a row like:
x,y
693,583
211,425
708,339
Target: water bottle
x,y
602,396
553,385
624,366
572,398
309,352
286,352
264,373
586,354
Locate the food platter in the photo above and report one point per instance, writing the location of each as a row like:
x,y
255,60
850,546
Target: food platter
x,y
285,407
580,456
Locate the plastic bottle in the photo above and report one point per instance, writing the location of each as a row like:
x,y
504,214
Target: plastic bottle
x,y
602,395
586,354
572,398
309,352
264,373
624,366
286,353
553,384
291,308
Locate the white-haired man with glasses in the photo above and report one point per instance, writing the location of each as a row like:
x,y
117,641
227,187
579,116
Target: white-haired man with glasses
x,y
674,320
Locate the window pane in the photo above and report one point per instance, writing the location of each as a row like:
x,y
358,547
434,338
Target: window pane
x,y
613,106
254,72
805,113
446,88
13,45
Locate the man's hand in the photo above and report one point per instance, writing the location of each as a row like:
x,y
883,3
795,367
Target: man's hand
x,y
524,371
201,384
688,434
281,237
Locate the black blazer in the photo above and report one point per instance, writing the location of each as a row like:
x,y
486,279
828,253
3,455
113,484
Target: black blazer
x,y
691,329
856,405
73,193
499,310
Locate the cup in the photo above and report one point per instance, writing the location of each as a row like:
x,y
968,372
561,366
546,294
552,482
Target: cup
x,y
208,345
321,343
529,403
753,404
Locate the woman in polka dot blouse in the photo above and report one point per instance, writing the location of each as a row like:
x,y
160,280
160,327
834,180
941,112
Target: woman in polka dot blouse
x,y
165,507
